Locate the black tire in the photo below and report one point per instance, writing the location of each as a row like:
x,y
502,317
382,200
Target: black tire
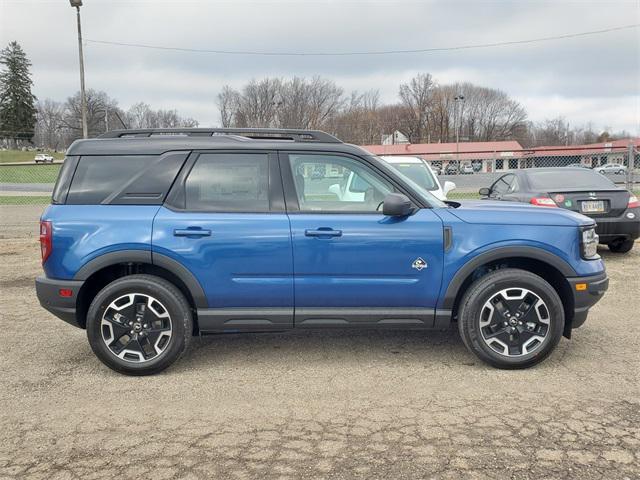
x,y
485,288
180,318
621,246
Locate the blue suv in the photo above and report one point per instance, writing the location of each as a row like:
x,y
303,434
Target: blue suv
x,y
154,236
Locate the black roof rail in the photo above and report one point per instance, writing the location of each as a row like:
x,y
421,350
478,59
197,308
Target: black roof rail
x,y
253,133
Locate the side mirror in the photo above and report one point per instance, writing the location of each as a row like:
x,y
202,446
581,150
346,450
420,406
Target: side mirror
x,y
484,192
335,189
448,186
396,205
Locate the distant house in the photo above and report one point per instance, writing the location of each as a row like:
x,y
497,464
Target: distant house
x,y
394,138
590,155
510,155
483,156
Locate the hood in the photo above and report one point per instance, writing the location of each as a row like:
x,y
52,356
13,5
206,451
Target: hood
x,y
513,213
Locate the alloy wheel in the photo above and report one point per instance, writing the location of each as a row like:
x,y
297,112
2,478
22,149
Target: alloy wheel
x,y
136,327
514,322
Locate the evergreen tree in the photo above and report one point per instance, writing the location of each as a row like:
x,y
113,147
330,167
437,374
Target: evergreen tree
x,y
17,103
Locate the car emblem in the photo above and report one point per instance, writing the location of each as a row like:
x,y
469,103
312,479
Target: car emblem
x,y
419,264
592,194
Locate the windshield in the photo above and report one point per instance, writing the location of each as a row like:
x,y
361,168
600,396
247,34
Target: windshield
x,y
417,172
551,181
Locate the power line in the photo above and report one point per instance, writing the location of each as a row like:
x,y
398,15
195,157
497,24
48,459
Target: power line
x,y
381,52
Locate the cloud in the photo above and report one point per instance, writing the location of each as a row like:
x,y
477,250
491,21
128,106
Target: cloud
x,y
593,78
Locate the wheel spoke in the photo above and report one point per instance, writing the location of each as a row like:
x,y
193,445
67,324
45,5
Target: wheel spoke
x,y
121,342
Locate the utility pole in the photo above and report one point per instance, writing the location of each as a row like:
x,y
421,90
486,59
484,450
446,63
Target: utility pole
x,y
457,99
83,99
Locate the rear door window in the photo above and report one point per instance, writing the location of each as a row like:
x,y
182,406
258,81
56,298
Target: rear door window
x,y
229,182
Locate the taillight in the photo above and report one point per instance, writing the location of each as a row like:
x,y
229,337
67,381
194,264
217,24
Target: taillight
x,y
542,202
46,245
633,202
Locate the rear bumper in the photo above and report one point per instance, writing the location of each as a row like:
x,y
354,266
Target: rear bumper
x,y
587,297
48,292
619,227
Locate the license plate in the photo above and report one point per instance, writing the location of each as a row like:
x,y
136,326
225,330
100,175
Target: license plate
x,y
593,206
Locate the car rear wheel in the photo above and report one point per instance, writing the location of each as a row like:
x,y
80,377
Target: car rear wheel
x,y
621,245
511,318
139,325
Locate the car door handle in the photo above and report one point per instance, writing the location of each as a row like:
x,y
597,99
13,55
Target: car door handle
x,y
191,232
323,233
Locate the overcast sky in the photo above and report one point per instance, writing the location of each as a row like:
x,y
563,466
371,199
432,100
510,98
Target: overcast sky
x,y
592,78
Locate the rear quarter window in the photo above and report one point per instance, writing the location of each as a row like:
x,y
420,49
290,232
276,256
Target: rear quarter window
x,y
124,179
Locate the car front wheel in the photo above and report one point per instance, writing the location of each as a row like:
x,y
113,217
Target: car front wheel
x,y
511,318
139,325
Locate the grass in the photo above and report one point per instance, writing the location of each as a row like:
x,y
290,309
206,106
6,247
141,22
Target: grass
x,y
463,196
7,156
25,200
29,173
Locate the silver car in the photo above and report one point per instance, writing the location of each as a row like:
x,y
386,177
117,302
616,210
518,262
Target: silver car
x,y
611,168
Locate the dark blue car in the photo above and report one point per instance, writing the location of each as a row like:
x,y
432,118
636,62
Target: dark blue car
x,y
154,236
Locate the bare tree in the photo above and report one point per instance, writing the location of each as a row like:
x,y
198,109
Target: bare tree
x,y
272,102
49,132
103,114
228,103
359,121
141,115
417,97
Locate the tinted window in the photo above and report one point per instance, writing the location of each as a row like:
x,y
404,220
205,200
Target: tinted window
x,y
335,183
417,172
61,188
229,182
99,177
563,179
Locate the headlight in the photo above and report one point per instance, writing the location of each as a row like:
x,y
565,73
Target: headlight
x,y
589,243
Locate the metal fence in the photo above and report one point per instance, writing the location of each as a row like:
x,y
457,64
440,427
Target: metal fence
x,y
32,184
471,171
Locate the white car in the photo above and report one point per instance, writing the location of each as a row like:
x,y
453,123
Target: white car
x,y
43,158
420,172
611,168
414,168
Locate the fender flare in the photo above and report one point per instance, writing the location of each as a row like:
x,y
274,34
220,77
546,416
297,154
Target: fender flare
x,y
533,253
146,256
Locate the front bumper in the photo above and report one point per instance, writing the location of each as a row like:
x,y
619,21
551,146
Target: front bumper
x,y
611,228
587,291
48,291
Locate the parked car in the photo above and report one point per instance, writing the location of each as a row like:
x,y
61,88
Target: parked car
x,y
466,169
420,172
43,158
452,168
154,238
611,168
616,210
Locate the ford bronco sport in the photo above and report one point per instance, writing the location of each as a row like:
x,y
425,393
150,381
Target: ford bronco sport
x,y
154,236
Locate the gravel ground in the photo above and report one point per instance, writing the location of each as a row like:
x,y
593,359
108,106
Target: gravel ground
x,y
314,404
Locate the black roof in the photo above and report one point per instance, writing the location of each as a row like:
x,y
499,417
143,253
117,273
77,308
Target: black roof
x,y
158,141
